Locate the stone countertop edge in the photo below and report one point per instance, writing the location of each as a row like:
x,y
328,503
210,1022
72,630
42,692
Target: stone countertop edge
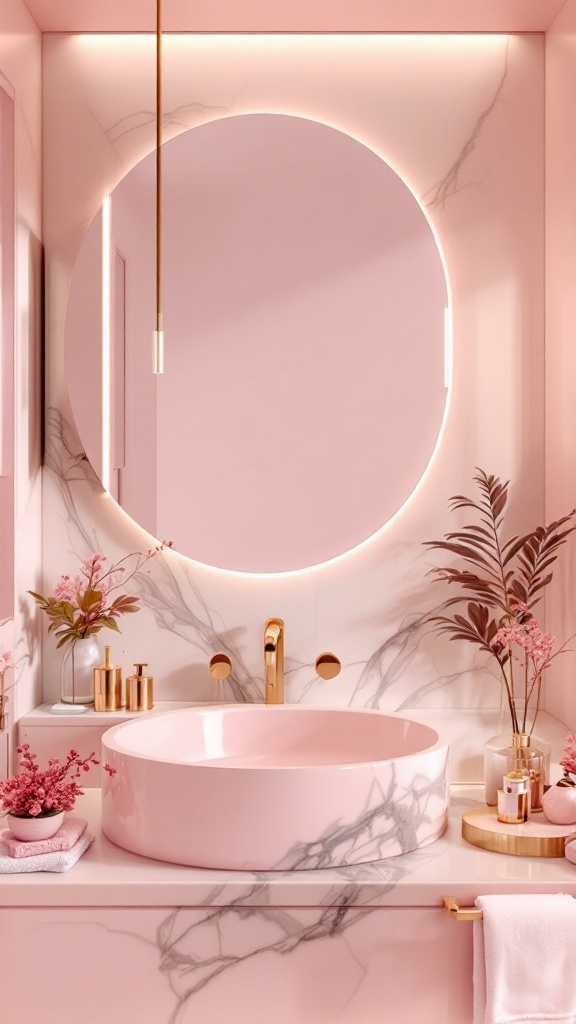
x,y
107,876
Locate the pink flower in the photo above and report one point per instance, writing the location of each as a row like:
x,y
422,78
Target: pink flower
x,y
33,791
91,566
6,660
68,588
568,762
528,636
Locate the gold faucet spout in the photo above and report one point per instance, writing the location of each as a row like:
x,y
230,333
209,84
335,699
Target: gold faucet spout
x,y
274,661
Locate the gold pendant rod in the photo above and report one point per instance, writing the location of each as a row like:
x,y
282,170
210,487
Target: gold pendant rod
x,y
158,165
158,353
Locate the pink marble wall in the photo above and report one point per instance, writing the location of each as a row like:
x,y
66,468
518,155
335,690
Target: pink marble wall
x,y
462,119
20,67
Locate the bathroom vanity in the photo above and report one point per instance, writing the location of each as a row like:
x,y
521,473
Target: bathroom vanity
x,y
123,938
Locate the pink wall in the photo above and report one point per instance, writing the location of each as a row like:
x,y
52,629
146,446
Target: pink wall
x,y
560,429
297,16
20,65
6,351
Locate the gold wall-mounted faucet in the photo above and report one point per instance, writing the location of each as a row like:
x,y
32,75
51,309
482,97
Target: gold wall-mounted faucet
x,y
274,661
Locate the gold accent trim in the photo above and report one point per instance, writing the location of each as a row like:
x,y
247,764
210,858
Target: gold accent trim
x,y
521,739
458,913
327,665
220,666
515,842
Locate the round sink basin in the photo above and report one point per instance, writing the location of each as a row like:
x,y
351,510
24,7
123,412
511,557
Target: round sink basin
x,y
284,788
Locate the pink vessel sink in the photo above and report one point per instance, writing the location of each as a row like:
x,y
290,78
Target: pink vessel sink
x,y
283,788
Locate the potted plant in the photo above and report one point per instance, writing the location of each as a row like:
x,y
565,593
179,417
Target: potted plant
x,y
80,607
498,583
36,800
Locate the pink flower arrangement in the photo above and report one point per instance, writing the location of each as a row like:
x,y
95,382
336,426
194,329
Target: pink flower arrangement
x,y
568,762
524,644
33,792
83,604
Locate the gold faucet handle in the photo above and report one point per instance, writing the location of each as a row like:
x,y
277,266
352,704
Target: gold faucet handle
x,y
220,666
327,665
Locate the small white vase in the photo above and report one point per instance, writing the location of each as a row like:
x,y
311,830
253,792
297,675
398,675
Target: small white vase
x,y
77,673
30,830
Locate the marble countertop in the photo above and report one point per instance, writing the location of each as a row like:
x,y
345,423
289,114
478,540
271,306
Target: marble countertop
x,y
109,876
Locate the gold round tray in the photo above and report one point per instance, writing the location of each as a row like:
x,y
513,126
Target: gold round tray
x,y
536,838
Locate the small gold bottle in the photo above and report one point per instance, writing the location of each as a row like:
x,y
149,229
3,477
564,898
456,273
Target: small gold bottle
x,y
107,685
139,689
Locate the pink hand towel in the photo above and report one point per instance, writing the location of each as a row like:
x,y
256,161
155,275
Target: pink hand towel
x,y
525,960
67,835
59,860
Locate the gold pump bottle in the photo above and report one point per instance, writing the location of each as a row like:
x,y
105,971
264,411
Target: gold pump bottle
x,y
139,689
107,685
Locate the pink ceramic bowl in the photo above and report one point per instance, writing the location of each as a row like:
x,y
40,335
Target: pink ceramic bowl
x,y
257,788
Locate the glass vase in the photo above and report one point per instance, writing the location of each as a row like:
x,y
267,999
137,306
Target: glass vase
x,y
496,765
80,659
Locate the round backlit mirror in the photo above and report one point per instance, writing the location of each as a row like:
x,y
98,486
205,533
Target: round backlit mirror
x,y
304,312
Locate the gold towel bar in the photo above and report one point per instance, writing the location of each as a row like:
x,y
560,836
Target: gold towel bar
x,y
459,913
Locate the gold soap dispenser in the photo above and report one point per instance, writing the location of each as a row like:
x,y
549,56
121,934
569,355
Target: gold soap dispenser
x,y
140,689
107,685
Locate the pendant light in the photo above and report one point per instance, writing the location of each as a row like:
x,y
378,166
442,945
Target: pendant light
x,y
158,345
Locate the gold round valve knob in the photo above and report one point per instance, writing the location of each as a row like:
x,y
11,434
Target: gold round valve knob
x,y
220,666
327,665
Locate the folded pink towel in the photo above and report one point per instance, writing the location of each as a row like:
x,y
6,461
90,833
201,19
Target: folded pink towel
x,y
67,835
59,860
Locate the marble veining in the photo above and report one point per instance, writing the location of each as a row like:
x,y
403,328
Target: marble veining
x,y
195,950
183,117
394,820
161,593
326,965
451,183
171,593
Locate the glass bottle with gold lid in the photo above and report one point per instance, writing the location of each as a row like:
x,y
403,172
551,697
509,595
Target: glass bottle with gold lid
x,y
523,757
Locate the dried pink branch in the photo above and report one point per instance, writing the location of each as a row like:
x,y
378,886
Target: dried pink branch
x,y
82,605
